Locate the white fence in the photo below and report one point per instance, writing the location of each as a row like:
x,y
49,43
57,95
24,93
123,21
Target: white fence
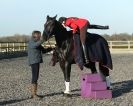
x,y
121,46
115,46
12,47
20,46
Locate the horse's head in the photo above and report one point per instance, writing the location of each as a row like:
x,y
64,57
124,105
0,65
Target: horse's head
x,y
49,27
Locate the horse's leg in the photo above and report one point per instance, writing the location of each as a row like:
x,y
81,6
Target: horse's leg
x,y
67,73
105,72
92,66
66,69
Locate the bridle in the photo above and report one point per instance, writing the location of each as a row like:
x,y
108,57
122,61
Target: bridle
x,y
46,32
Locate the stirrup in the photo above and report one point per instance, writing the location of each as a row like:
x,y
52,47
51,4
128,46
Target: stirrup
x,y
86,60
85,53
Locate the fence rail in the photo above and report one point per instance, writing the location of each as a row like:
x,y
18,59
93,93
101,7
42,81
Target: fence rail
x,y
22,46
12,47
120,44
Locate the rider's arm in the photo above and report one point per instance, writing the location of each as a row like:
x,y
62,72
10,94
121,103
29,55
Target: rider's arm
x,y
71,23
74,27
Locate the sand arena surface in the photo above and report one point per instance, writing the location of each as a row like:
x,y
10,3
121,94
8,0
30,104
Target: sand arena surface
x,y
15,77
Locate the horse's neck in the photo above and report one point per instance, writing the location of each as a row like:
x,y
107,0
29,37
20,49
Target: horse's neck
x,y
61,36
61,39
64,41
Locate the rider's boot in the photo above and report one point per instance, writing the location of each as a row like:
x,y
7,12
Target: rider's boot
x,y
85,53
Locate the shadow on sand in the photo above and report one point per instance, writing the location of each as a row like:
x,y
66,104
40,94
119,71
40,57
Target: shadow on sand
x,y
12,101
11,55
120,88
61,93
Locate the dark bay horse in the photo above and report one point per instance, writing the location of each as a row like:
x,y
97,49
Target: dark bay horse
x,y
98,50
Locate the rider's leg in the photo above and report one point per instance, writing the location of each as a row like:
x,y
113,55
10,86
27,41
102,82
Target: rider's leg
x,y
83,31
77,51
97,27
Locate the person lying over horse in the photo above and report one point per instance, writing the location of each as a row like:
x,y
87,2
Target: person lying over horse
x,y
79,25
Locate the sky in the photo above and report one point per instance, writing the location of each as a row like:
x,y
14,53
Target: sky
x,y
24,16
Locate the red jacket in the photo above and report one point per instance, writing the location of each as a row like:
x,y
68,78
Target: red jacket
x,y
75,23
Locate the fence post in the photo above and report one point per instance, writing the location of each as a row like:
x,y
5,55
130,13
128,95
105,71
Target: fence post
x,y
111,44
128,44
13,45
19,46
24,46
0,47
7,45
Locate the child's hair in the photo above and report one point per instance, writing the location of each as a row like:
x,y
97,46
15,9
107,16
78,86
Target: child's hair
x,y
35,32
61,19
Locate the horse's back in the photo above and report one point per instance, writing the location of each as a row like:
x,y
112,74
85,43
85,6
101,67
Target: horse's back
x,y
94,38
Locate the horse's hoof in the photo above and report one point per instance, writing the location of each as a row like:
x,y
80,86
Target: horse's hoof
x,y
67,95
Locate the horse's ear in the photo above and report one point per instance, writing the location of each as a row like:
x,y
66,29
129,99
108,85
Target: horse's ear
x,y
55,16
47,16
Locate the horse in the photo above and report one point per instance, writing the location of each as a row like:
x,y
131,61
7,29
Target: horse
x,y
97,46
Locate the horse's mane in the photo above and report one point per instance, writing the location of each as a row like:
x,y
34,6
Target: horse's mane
x,y
61,34
61,29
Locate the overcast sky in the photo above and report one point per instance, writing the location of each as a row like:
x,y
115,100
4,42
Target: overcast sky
x,y
24,16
